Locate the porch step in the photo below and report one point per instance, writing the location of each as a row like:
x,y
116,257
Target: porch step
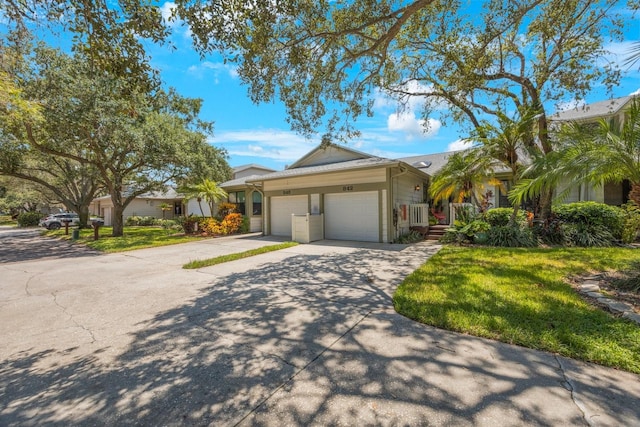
x,y
437,231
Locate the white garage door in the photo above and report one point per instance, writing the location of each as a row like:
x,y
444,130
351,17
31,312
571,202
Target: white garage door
x,y
281,209
352,216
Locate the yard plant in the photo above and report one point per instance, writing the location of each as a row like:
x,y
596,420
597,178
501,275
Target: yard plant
x,y
522,296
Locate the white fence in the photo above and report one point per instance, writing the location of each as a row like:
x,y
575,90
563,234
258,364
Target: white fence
x,y
419,215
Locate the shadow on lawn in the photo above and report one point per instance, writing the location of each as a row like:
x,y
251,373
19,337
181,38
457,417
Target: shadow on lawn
x,y
230,354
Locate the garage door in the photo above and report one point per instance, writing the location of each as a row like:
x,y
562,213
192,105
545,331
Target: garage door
x,y
352,216
281,209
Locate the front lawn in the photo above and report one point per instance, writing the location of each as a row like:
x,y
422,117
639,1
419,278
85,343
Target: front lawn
x,y
134,238
520,296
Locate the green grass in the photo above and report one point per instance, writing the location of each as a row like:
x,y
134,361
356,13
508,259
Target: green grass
x,y
520,296
133,238
233,257
6,220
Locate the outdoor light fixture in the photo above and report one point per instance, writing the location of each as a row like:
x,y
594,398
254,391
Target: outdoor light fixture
x,y
417,187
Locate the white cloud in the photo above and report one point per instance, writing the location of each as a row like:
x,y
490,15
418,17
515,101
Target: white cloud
x,y
637,92
217,68
413,128
275,144
166,10
460,144
618,53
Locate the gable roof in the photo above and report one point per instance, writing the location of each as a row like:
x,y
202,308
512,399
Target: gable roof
x,y
595,110
251,166
326,168
239,181
328,153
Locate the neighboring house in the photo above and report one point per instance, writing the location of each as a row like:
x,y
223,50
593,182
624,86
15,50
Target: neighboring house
x,y
148,204
247,197
362,197
609,193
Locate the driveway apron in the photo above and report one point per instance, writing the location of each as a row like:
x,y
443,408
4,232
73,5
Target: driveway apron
x,y
302,336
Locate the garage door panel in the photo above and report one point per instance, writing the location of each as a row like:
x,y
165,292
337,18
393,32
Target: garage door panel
x,y
352,216
281,209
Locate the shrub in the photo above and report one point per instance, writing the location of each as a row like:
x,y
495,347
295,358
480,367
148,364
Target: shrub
x,y
411,237
231,223
225,209
145,221
511,237
29,219
188,223
500,217
551,232
587,235
168,224
246,225
209,225
610,218
631,222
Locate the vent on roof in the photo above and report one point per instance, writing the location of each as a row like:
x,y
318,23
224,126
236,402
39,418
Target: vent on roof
x,y
422,165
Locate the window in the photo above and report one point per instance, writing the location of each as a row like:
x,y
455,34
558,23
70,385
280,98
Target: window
x,y
256,198
503,200
237,198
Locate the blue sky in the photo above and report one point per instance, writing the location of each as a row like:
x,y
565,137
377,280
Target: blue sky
x,y
260,134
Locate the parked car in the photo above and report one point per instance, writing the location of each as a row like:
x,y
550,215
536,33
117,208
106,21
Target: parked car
x,y
55,221
96,220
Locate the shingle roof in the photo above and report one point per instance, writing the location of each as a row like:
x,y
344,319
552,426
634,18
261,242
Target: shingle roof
x,y
592,111
239,181
434,161
331,167
251,165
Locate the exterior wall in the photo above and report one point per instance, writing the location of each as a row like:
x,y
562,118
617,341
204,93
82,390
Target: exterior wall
x,y
329,155
324,181
404,194
194,209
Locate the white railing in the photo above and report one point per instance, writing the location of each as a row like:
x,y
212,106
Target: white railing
x,y
419,215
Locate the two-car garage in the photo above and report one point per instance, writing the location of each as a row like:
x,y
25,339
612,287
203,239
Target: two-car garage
x,y
347,216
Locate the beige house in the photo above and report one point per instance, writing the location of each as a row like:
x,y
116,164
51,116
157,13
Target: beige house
x,y
609,193
358,196
148,204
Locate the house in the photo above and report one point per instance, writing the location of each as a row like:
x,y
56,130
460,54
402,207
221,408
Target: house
x,y
609,193
360,196
148,204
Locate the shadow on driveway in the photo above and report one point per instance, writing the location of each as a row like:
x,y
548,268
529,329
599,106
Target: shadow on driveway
x,y
28,244
293,341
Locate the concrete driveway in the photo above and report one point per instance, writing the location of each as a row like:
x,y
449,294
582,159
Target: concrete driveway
x,y
303,336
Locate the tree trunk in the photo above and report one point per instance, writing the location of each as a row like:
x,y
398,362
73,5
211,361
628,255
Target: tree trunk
x,y
83,213
545,204
117,221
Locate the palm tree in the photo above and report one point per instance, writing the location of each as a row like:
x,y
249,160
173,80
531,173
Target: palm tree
x,y
505,143
607,151
634,54
463,177
207,190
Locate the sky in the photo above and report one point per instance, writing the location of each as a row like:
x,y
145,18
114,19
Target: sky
x,y
260,134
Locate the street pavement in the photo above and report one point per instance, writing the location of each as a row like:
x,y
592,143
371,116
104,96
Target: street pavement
x,y
301,336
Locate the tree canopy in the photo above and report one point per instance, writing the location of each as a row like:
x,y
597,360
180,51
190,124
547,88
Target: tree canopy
x,y
129,142
329,60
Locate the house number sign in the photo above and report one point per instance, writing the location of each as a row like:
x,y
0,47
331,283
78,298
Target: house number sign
x,y
286,192
347,188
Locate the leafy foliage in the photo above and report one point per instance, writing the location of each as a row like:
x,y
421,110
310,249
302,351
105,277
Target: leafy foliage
x,y
142,221
225,209
592,214
587,235
502,216
511,237
631,222
29,219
